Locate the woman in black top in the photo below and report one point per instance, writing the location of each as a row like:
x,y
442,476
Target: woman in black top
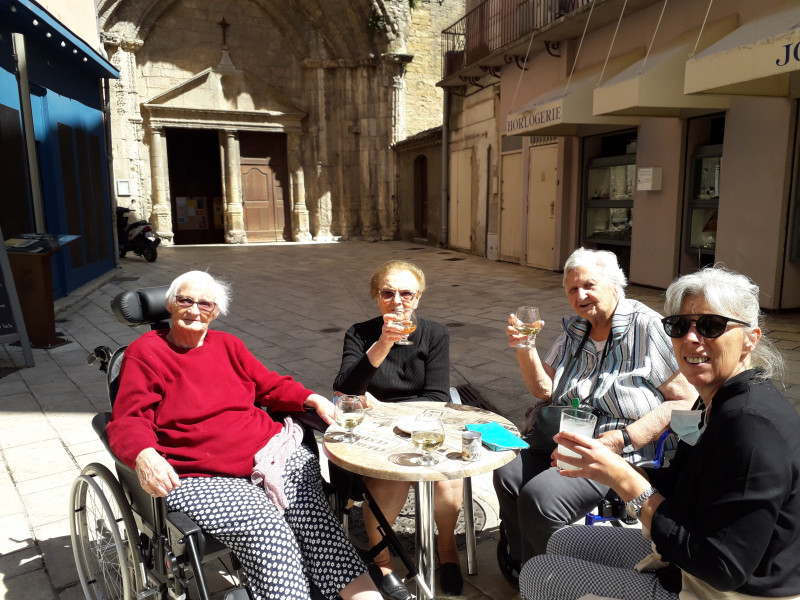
x,y
724,516
372,362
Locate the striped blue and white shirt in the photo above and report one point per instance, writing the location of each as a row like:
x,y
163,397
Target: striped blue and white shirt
x,y
637,361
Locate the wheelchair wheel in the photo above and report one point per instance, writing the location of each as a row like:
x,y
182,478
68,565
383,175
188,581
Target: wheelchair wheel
x,y
104,537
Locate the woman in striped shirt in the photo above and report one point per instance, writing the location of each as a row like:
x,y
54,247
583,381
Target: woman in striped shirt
x,y
613,354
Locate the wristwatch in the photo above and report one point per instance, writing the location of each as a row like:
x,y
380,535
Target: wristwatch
x,y
634,507
627,446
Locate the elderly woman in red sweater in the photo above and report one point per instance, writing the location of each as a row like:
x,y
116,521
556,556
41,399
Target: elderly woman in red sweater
x,y
186,418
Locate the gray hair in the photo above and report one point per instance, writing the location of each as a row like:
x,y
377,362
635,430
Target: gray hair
x,y
220,290
602,260
729,294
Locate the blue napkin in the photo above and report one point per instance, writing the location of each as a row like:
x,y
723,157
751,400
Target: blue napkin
x,y
496,437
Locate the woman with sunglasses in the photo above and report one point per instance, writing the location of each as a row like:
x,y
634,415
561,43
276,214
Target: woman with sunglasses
x,y
724,516
372,362
187,419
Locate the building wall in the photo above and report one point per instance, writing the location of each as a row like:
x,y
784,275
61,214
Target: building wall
x,y
428,19
77,15
337,77
405,192
754,192
657,215
757,188
473,126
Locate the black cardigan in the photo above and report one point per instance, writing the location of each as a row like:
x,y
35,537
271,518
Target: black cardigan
x,y
417,372
732,514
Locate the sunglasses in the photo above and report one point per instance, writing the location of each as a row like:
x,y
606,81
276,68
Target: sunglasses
x,y
709,326
406,295
202,305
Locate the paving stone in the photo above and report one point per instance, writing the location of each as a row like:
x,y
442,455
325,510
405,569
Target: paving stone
x,y
14,533
34,585
56,548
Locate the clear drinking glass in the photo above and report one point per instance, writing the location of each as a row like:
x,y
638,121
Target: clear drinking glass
x,y
528,323
408,321
575,420
427,435
349,414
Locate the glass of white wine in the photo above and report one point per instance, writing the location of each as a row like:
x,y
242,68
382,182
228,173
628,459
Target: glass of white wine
x,y
529,324
427,435
349,414
408,321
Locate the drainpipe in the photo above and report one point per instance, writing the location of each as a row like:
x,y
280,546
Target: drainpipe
x,y
28,136
112,195
445,167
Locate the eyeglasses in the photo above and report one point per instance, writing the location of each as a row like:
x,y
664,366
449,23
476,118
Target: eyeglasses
x,y
709,326
202,305
406,295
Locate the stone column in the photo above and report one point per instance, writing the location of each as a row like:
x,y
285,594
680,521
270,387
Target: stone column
x,y
300,221
234,211
161,215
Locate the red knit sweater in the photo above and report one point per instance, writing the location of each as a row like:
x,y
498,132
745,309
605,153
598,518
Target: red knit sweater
x,y
196,406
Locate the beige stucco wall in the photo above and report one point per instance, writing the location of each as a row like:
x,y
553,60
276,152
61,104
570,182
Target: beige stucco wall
x,y
657,214
405,192
754,188
79,16
474,126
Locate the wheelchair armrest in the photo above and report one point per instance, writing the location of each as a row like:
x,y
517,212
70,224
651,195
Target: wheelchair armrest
x,y
184,525
308,418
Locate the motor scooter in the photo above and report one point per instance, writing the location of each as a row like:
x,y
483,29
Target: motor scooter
x,y
137,237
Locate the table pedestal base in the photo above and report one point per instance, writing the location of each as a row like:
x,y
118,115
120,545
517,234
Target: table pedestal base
x,y
423,507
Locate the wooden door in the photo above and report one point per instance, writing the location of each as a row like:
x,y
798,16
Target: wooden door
x,y
262,201
511,207
460,220
542,181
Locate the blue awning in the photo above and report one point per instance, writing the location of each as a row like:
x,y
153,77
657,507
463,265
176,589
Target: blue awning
x,y
34,22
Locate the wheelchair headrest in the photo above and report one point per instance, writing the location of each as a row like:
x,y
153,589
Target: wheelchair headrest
x,y
145,306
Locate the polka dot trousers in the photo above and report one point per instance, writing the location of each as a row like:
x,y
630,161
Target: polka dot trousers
x,y
280,554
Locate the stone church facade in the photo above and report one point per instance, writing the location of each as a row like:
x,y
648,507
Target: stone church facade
x,y
268,120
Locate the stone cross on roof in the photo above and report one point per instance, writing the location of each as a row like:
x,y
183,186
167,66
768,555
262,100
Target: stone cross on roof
x,y
224,26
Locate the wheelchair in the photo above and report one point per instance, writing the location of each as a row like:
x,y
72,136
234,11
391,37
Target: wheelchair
x,y
126,545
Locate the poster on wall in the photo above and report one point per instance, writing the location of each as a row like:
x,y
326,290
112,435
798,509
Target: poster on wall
x,y
181,211
192,212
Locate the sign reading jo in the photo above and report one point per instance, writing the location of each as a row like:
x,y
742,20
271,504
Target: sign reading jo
x,y
792,51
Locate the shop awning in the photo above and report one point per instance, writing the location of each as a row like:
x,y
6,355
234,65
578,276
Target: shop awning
x,y
653,86
760,58
565,108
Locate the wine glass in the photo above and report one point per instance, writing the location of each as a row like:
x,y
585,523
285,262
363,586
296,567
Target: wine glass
x,y
408,321
427,434
348,415
528,324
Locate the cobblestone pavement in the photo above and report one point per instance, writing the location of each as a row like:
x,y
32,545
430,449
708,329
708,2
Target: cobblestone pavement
x,y
291,306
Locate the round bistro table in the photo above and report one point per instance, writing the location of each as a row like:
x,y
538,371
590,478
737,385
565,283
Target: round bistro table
x,y
383,451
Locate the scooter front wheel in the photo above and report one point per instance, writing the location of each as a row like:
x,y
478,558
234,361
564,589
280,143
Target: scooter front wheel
x,y
150,252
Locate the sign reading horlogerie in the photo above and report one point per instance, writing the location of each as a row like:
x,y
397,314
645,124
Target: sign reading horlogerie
x,y
537,117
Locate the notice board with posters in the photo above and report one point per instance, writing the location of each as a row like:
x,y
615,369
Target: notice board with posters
x,y
12,326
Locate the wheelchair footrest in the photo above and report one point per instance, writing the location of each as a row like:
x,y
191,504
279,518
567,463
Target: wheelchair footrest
x,y
236,594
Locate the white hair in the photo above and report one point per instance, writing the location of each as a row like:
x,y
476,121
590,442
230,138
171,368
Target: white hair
x,y
602,260
220,290
729,294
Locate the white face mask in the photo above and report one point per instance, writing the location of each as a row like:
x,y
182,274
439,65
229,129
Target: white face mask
x,y
688,425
